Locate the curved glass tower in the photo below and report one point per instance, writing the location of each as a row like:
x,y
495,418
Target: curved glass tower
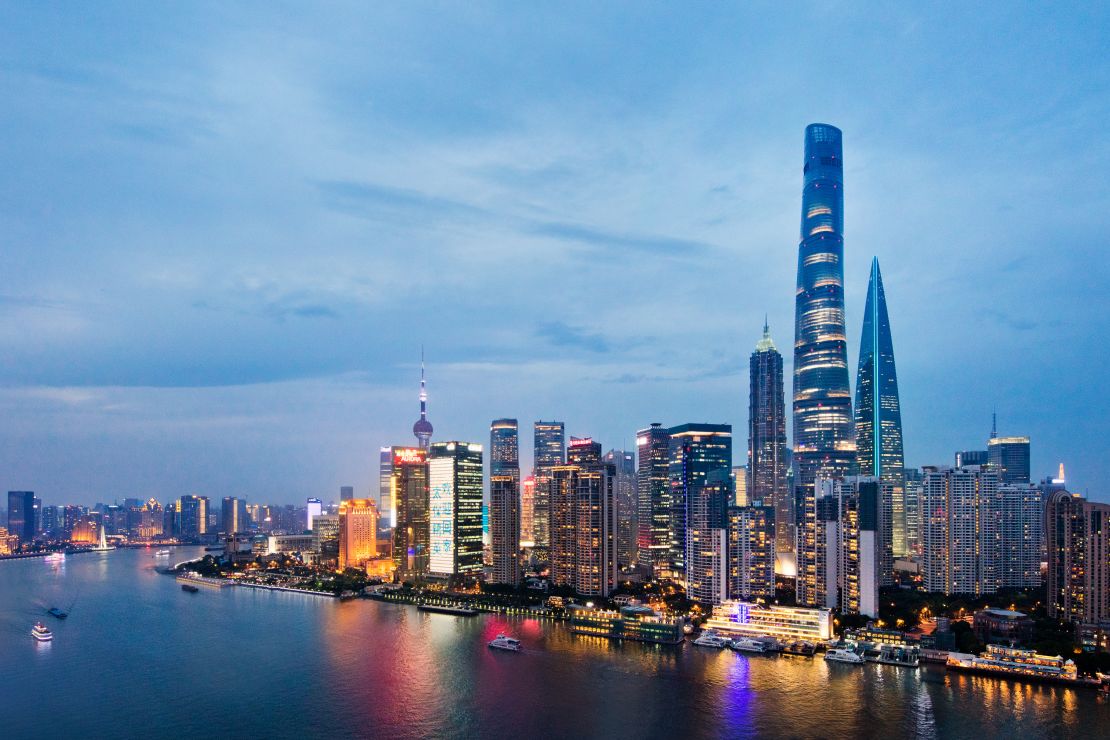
x,y
824,443
878,410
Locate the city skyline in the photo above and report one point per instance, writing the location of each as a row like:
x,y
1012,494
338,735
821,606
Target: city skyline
x,y
168,338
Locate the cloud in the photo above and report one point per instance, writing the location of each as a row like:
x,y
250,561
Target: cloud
x,y
656,245
564,335
375,201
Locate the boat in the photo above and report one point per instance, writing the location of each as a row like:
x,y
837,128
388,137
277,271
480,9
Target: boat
x,y
56,612
897,655
800,648
749,645
190,588
41,633
843,655
162,554
1018,663
711,639
56,557
347,595
503,642
458,611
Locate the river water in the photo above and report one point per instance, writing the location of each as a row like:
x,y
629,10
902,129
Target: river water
x,y
138,657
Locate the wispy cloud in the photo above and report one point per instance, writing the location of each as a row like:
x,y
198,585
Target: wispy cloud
x,y
564,335
607,240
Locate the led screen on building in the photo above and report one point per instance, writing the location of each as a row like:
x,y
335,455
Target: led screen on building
x,y
441,500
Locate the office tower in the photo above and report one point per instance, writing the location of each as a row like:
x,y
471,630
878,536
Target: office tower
x,y
504,448
151,520
653,496
455,508
624,492
314,507
563,489
583,527
740,486
878,410
549,451
36,509
1010,457
1077,534
192,512
767,438
21,516
409,491
358,532
234,513
824,443
527,511
751,552
959,530
422,429
325,534
913,479
707,538
863,552
51,522
583,451
346,493
504,513
386,509
1019,513
695,451
967,458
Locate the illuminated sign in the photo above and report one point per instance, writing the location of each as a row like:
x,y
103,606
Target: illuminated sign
x,y
575,442
641,441
409,455
742,613
441,514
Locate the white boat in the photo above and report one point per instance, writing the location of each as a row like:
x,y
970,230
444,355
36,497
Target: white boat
x,y
711,639
56,557
41,632
503,642
840,655
162,554
749,645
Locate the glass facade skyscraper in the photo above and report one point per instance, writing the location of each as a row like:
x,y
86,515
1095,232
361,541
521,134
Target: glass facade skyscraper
x,y
696,450
767,440
653,495
549,451
504,448
823,439
878,411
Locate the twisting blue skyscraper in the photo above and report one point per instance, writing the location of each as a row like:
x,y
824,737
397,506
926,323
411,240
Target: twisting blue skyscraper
x,y
878,411
823,439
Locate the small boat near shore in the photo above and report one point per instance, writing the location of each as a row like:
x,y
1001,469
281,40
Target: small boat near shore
x,y
711,639
189,588
800,649
843,655
504,642
750,645
458,611
41,632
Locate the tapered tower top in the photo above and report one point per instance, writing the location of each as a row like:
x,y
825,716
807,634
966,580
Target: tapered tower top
x,y
423,428
766,344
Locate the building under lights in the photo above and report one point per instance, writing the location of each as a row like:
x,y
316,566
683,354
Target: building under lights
x,y
1010,457
653,496
1077,535
695,450
409,491
959,530
504,448
527,512
751,552
455,508
624,491
767,440
549,451
504,512
584,523
358,532
785,623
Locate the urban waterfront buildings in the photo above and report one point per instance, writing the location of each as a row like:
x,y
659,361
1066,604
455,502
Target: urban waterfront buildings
x,y
959,530
385,486
583,523
695,451
527,512
358,532
409,491
422,429
21,515
192,516
766,472
234,515
707,538
504,513
549,450
878,411
624,491
504,448
1077,535
737,619
1010,457
750,552
653,496
455,508
313,507
1019,515
824,443
912,504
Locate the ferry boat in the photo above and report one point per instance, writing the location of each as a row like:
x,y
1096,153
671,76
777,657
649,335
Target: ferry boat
x,y
56,612
41,633
749,645
999,660
711,639
189,588
56,557
632,622
503,642
458,611
162,554
800,648
842,655
896,655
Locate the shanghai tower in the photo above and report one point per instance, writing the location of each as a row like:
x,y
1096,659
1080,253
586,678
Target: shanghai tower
x,y
878,410
824,443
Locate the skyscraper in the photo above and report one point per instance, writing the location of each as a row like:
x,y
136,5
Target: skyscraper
x,y
234,515
504,514
767,439
358,532
422,429
1019,512
504,448
527,511
386,507
707,538
695,451
549,447
1077,533
314,507
583,526
959,530
1010,457
878,410
21,515
624,491
751,552
653,495
455,508
193,514
346,493
823,439
409,491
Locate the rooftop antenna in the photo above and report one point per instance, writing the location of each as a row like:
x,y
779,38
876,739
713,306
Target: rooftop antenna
x,y
994,424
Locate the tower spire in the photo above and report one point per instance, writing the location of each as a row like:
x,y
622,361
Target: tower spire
x,y
994,424
422,429
766,343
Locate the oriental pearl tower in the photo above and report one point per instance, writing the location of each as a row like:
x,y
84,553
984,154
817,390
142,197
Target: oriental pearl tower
x,y
423,428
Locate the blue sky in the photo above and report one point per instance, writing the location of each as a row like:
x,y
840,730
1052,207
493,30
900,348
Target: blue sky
x,y
226,230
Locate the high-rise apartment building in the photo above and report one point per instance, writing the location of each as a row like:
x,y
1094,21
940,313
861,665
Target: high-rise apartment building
x,y
695,451
21,516
824,443
913,481
1077,535
583,525
527,512
767,439
1019,513
1010,457
879,411
959,530
504,514
707,538
409,492
751,552
358,532
549,451
314,507
624,492
653,496
740,486
455,508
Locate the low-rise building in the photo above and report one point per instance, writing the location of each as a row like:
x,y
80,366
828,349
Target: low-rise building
x,y
1002,627
787,623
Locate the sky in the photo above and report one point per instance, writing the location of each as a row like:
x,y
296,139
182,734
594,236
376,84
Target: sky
x,y
226,230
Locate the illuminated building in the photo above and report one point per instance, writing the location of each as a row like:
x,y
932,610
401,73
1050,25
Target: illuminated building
x,y
86,531
358,532
959,530
1077,536
422,429
707,538
1010,457
583,528
325,533
455,508
234,513
879,412
21,515
695,451
632,622
290,543
192,515
767,440
51,521
504,448
965,458
9,543
385,486
740,486
583,451
751,552
151,520
409,486
824,443
1019,513
563,488
624,491
549,451
912,495
504,504
1002,627
527,511
786,623
70,516
653,496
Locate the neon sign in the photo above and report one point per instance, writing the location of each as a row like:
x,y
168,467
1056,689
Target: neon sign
x,y
408,455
